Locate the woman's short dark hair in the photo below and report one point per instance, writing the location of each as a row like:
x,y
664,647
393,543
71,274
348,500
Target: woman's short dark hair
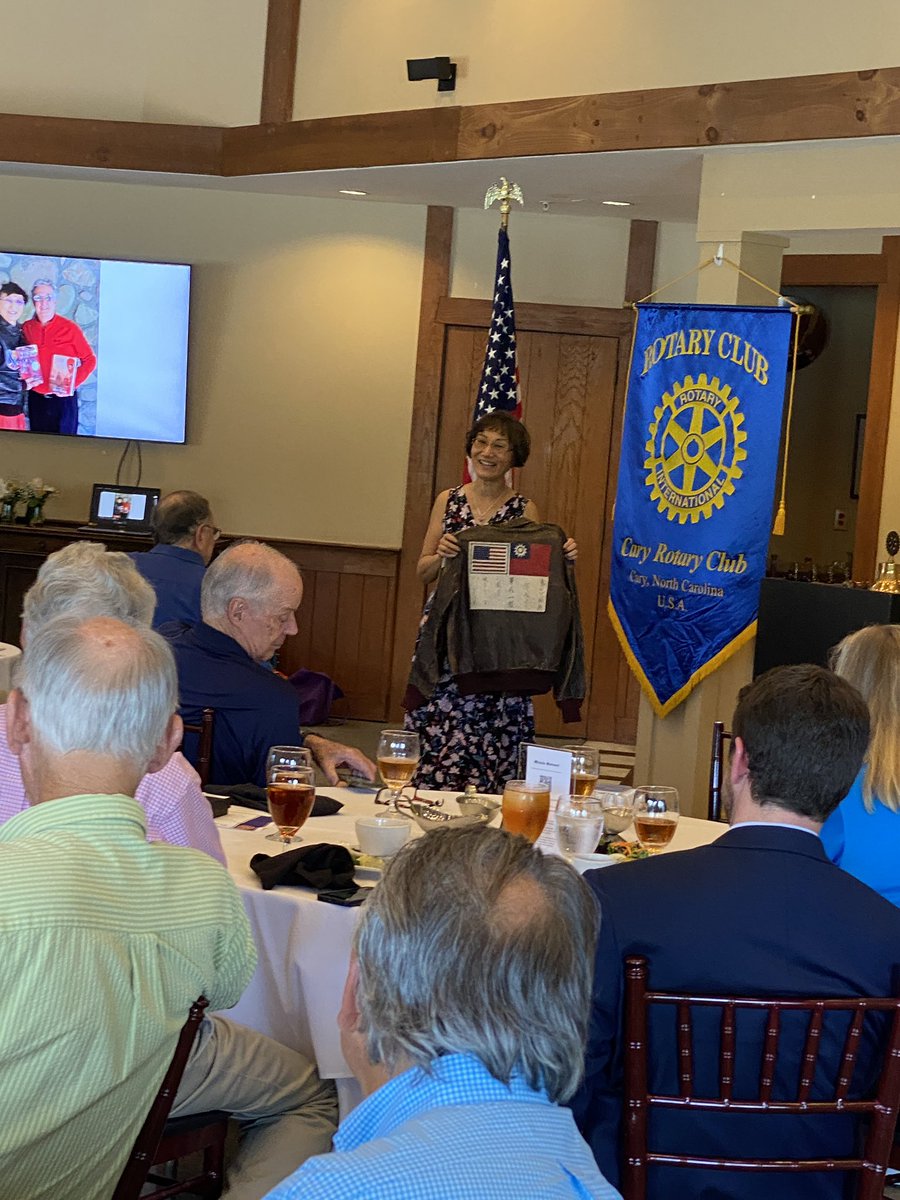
x,y
12,289
514,431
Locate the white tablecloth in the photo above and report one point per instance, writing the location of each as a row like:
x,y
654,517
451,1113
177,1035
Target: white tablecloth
x,y
304,945
8,658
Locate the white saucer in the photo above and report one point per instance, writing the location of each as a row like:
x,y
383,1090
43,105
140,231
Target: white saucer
x,y
589,862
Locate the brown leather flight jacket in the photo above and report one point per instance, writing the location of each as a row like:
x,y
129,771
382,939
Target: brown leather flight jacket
x,y
497,650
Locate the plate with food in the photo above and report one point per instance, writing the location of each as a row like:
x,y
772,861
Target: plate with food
x,y
366,866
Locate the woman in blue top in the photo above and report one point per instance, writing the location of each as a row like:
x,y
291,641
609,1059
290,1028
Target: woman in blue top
x,y
862,835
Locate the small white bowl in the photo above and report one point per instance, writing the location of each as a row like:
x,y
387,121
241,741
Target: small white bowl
x,y
382,836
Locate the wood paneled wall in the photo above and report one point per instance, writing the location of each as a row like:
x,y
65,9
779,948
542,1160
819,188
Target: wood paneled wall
x,y
346,620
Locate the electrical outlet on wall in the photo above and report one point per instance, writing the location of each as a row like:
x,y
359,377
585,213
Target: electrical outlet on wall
x,y
840,519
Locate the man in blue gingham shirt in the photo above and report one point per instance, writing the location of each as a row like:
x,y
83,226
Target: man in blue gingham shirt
x,y
464,1020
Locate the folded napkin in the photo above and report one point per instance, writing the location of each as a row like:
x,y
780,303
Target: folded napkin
x,y
318,866
249,795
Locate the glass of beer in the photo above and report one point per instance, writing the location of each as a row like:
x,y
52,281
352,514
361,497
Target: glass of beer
x,y
398,756
656,813
291,792
585,769
526,807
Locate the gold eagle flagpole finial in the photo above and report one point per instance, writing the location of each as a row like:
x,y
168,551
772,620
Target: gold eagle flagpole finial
x,y
505,192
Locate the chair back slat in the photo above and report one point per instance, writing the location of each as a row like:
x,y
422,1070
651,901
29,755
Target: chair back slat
x,y
851,1050
635,1168
879,1112
685,1042
204,730
141,1157
726,1053
716,771
769,1055
810,1054
880,1139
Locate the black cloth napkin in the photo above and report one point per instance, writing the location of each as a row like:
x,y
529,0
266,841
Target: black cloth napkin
x,y
318,866
250,795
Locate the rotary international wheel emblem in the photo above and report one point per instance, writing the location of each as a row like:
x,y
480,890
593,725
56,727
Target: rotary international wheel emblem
x,y
694,449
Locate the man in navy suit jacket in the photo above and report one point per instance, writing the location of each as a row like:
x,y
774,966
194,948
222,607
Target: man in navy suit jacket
x,y
759,912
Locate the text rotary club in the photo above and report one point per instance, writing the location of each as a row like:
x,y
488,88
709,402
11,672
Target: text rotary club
x,y
698,343
715,560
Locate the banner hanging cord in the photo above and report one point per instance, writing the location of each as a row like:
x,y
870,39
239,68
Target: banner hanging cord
x,y
716,261
781,514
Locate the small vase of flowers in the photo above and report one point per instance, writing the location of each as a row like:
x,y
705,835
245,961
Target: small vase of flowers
x,y
10,495
35,494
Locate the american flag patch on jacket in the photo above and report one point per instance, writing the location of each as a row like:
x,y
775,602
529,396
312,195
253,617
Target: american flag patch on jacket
x,y
488,558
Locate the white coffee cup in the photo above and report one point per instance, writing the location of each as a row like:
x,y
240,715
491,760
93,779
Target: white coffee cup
x,y
382,836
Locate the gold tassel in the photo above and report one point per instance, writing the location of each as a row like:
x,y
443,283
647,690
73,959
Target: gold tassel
x,y
778,527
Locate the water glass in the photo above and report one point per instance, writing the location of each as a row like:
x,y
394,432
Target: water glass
x,y
579,825
617,802
288,756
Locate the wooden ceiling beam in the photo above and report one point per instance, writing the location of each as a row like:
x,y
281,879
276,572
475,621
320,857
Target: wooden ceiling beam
x,y
280,62
114,145
855,104
424,135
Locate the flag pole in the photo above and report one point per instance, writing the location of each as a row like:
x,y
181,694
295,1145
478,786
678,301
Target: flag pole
x,y
505,192
498,387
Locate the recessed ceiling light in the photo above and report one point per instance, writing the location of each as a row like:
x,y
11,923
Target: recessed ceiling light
x,y
617,203
352,192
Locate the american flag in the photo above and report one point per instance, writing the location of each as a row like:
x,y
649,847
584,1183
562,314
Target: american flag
x,y
499,386
489,558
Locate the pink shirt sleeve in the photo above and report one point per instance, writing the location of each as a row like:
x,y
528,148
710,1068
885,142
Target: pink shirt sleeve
x,y
177,811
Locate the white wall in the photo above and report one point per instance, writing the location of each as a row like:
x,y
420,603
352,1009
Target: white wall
x,y
302,353
555,259
193,61
353,52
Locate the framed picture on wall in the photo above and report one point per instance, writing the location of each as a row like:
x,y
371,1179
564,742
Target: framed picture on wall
x,y
859,441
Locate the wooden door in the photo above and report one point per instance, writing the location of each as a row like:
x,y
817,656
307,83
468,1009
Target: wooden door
x,y
571,382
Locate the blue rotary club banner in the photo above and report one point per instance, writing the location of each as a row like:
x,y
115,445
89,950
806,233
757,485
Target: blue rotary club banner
x,y
696,488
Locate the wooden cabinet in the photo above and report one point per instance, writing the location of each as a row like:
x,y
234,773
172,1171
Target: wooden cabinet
x,y
22,550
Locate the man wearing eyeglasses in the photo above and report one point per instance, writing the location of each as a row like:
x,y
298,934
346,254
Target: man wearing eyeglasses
x,y
185,537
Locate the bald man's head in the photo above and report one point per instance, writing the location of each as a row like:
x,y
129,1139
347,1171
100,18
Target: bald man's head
x,y
251,592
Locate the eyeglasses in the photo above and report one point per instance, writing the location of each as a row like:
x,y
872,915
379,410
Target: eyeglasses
x,y
214,530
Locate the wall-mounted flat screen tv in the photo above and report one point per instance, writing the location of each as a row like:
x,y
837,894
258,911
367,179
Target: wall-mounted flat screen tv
x,y
93,347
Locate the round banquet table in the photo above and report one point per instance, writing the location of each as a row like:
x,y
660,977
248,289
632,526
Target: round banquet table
x,y
9,656
304,945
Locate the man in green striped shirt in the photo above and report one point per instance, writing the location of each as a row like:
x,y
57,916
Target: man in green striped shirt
x,y
107,940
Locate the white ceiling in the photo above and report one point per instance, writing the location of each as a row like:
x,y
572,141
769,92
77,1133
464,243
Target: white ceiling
x,y
660,185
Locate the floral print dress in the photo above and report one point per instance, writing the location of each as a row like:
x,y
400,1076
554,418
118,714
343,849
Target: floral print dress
x,y
470,739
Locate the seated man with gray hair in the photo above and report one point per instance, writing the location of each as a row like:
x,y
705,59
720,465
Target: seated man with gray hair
x,y
464,1019
249,599
185,538
83,580
108,939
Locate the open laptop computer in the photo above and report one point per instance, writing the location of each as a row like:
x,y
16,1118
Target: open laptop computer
x,y
119,508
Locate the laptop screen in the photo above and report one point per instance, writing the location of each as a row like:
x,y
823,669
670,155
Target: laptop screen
x,y
120,507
